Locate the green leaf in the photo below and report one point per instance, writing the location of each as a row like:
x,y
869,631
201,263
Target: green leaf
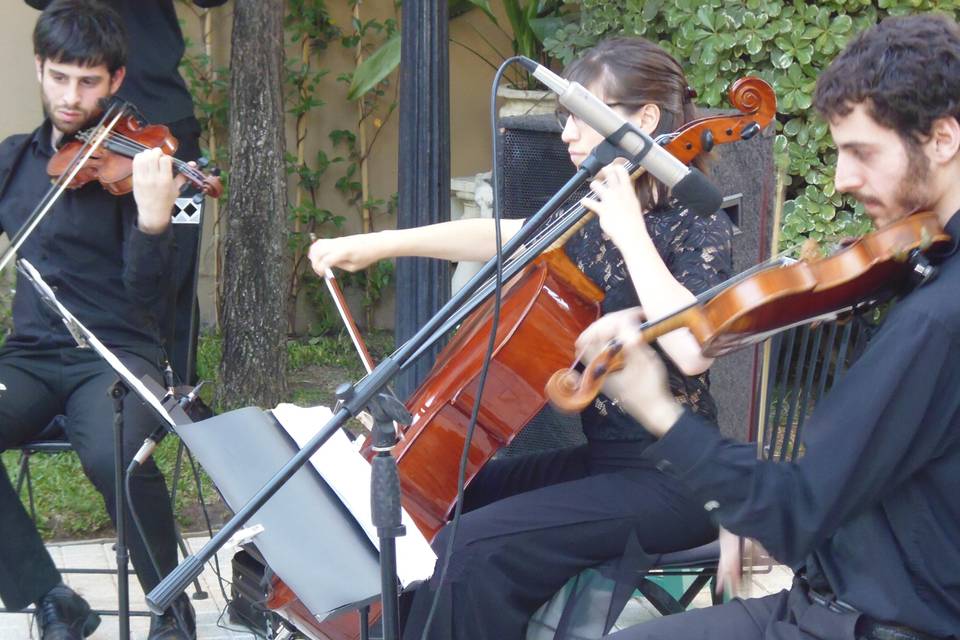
x,y
781,59
375,68
545,27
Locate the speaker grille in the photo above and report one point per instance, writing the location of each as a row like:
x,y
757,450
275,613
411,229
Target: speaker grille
x,y
533,163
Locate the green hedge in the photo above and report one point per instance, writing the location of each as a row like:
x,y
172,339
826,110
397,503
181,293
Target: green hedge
x,y
785,43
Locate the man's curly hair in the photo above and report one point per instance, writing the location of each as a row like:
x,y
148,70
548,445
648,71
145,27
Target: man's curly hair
x,y
905,70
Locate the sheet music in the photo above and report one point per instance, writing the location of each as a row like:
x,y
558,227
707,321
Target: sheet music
x,y
85,339
348,474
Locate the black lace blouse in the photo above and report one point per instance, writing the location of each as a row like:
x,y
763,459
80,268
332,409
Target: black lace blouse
x,y
697,251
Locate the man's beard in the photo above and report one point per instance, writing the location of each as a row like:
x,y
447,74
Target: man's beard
x,y
67,128
913,191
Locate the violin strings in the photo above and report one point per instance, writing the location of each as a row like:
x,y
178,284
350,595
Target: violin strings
x,y
130,147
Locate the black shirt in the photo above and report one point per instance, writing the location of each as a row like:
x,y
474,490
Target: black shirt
x,y
697,251
109,274
154,49
871,511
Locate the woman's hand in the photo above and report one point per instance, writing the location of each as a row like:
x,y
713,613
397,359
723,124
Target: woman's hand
x,y
616,205
347,252
608,327
641,388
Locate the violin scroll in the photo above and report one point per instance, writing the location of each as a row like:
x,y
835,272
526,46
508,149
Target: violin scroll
x,y
570,391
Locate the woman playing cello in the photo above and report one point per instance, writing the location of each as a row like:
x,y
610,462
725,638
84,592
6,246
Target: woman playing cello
x,y
531,523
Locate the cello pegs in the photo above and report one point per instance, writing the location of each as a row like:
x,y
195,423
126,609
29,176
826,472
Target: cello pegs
x,y
706,140
749,130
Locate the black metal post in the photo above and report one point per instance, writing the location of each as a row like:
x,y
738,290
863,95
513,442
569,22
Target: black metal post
x,y
118,392
424,170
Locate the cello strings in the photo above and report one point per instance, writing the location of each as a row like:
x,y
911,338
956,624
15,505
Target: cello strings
x,y
547,231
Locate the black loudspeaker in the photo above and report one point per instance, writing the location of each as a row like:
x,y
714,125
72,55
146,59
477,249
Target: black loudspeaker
x,y
534,165
248,593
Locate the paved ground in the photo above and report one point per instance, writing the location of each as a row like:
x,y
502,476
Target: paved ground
x,y
101,592
212,624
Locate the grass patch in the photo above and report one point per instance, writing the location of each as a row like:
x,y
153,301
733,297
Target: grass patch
x,y
69,507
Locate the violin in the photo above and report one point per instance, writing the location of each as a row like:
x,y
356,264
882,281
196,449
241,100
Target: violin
x,y
750,309
112,163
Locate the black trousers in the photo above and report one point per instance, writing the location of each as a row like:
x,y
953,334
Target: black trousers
x,y
788,615
536,521
42,384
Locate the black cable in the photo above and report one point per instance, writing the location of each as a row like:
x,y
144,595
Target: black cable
x,y
206,517
138,525
497,296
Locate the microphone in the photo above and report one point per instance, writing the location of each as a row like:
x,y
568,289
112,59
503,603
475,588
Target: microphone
x,y
688,185
151,441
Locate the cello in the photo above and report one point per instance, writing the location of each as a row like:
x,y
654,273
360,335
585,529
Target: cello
x,y
546,306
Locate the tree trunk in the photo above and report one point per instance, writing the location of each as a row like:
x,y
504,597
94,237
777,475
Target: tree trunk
x,y
253,297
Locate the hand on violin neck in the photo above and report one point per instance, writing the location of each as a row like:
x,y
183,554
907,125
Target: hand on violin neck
x,y
155,188
640,387
609,327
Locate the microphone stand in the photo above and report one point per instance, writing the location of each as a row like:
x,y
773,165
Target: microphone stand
x,y
387,412
366,393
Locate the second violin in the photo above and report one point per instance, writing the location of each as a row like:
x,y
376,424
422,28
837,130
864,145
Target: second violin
x,y
750,309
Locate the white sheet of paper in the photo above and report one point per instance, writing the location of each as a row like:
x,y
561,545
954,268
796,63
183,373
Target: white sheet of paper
x,y
348,474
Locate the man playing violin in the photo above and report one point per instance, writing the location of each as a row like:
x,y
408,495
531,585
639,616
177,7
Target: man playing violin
x,y
108,259
868,518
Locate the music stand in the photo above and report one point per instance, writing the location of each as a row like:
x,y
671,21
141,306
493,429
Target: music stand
x,y
316,538
126,382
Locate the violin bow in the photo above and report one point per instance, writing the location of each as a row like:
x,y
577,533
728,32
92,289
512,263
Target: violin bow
x,y
57,190
340,302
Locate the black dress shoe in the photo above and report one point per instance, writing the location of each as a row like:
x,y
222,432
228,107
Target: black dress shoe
x,y
169,627
63,615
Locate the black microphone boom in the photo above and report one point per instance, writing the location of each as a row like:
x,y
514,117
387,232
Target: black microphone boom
x,y
688,185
